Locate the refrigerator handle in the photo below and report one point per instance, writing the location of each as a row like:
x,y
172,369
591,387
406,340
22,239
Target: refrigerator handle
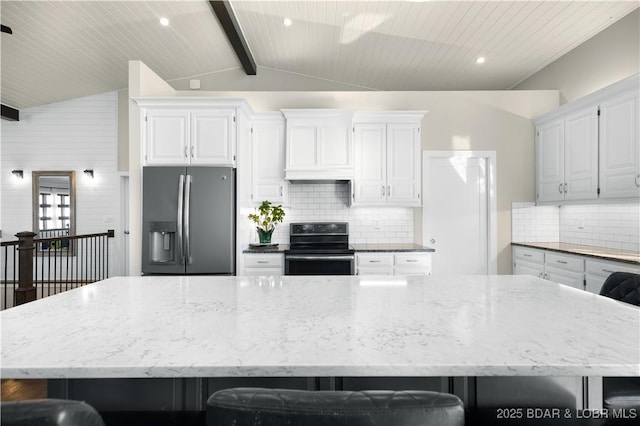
x,y
180,217
187,196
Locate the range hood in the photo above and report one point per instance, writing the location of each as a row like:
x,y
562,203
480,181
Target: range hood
x,y
319,145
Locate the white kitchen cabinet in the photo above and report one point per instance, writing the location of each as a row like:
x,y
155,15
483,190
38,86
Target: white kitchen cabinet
x,y
183,136
528,261
167,137
268,159
589,149
213,137
412,263
374,263
319,144
620,147
556,267
567,157
263,264
597,271
387,159
394,263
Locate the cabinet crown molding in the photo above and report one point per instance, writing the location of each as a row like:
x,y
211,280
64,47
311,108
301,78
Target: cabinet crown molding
x,y
194,102
388,116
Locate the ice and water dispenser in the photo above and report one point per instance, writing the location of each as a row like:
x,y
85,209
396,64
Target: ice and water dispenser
x,y
162,242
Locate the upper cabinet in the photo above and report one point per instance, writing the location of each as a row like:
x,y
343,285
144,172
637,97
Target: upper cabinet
x,y
619,147
318,144
590,149
268,158
195,131
387,158
567,157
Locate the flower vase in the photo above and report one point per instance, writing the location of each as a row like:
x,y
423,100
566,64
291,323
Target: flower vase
x,y
264,236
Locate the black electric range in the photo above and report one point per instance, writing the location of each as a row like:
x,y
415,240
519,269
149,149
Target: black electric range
x,y
319,248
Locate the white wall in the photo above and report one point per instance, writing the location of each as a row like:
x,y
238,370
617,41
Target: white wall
x,y
609,56
485,121
73,135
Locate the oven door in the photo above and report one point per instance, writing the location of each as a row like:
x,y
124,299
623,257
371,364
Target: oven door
x,y
319,264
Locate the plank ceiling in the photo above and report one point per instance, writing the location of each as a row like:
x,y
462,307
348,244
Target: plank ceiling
x,y
65,49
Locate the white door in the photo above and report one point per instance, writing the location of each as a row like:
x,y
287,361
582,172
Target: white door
x,y
403,165
581,155
212,137
267,151
167,137
550,161
459,211
620,147
371,164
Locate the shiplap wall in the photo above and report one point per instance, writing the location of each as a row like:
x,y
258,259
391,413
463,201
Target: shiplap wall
x,y
77,134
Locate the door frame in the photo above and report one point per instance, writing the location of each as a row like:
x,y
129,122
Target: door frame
x,y
492,227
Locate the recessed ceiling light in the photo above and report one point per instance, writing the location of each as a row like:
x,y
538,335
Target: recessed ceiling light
x,y
287,22
164,21
480,60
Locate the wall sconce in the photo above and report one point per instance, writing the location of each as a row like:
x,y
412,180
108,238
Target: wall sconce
x,y
18,173
89,172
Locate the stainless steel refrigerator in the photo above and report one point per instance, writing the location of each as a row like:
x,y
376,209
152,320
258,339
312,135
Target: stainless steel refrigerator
x,y
188,220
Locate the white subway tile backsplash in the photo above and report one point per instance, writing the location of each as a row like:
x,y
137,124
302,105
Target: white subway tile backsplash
x,y
327,202
604,225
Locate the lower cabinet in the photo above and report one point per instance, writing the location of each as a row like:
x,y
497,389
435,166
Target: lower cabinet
x,y
393,263
597,271
263,264
577,271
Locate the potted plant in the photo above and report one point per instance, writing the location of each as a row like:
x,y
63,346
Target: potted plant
x,y
266,217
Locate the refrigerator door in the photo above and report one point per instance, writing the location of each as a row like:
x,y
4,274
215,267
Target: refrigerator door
x,y
162,248
210,220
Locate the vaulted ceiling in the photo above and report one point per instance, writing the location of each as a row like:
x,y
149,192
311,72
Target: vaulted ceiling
x,y
65,49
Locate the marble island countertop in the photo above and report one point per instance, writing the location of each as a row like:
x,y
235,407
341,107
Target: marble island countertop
x,y
591,251
203,326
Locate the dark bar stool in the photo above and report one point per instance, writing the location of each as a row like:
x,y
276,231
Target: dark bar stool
x,y
278,407
622,393
49,412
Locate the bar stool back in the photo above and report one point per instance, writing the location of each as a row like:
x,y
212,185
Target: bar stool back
x,y
278,407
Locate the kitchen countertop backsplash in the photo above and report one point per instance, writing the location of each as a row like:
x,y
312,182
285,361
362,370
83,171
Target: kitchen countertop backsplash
x,y
609,231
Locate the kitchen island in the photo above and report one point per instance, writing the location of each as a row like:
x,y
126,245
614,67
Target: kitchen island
x,y
297,326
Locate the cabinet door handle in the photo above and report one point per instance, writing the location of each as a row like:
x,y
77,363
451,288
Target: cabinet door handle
x,y
637,180
262,261
191,152
186,152
374,261
526,255
382,189
560,188
565,188
562,261
411,260
281,190
388,190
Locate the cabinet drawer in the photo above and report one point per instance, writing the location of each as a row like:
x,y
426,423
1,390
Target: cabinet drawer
x,y
565,262
604,269
263,260
413,259
374,260
374,270
530,255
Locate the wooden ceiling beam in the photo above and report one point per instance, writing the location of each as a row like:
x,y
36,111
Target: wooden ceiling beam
x,y
224,13
9,113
